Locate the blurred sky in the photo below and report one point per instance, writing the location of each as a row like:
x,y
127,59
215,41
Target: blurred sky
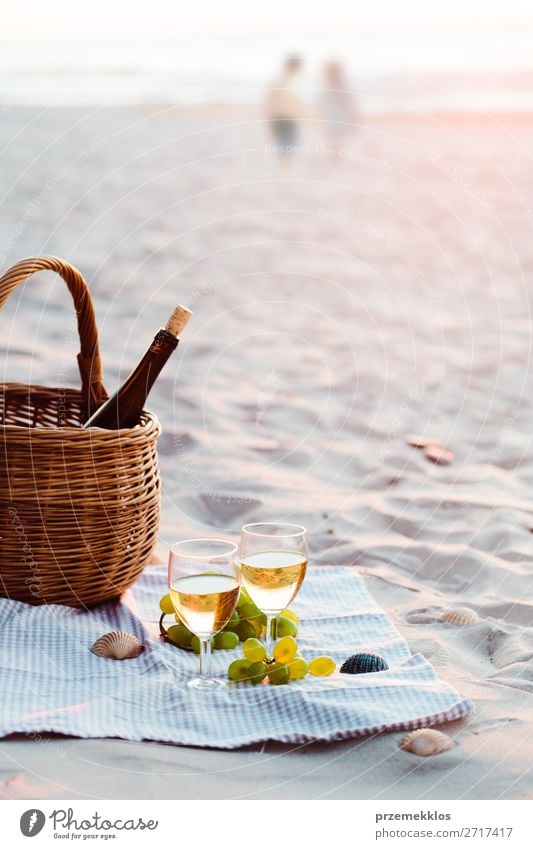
x,y
123,51
412,33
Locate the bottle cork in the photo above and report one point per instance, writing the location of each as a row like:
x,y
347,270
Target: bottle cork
x,y
178,320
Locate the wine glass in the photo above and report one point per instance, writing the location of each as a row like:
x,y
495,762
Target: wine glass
x,y
273,565
204,584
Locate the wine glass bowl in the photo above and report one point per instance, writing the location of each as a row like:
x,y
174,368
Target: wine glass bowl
x,y
273,559
204,585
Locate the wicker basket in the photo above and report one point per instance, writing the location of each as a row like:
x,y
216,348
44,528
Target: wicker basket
x,y
79,510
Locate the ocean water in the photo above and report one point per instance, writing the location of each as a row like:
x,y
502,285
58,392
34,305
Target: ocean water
x,y
197,71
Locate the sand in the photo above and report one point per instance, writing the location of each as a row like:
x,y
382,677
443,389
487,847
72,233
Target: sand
x,y
340,304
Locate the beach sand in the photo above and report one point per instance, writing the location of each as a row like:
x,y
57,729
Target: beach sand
x,y
340,304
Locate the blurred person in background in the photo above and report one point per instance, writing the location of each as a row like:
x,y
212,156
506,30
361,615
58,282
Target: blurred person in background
x,y
336,106
284,107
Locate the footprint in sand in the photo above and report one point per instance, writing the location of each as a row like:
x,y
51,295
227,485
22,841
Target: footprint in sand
x,y
488,724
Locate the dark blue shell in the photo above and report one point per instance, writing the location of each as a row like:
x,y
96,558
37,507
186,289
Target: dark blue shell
x,y
363,662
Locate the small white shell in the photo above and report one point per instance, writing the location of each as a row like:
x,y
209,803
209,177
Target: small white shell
x,y
118,645
422,441
439,455
426,741
460,616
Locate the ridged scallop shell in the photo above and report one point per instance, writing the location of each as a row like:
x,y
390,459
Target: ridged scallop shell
x,y
363,662
117,644
460,616
426,741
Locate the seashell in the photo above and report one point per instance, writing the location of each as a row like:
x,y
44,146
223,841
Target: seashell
x,y
439,455
426,741
117,644
363,662
460,616
422,442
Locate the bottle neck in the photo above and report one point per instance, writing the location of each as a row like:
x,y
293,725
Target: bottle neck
x,y
163,340
163,345
125,406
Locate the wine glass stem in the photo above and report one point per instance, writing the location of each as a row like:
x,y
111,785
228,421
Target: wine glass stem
x,y
205,659
270,639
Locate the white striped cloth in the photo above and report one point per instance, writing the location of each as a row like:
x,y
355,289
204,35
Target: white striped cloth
x,y
50,680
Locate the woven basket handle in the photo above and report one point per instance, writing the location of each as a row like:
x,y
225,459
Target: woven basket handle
x,y
89,363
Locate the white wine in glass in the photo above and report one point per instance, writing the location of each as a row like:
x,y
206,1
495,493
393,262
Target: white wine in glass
x,y
273,566
204,603
204,585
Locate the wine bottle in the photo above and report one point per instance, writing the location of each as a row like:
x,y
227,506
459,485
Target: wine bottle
x,y
124,408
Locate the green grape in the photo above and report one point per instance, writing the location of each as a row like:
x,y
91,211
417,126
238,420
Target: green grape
x,y
244,630
298,668
233,621
284,627
249,610
180,636
278,673
251,613
257,672
165,604
239,669
226,640
288,614
253,650
261,632
195,644
244,598
322,665
259,623
285,649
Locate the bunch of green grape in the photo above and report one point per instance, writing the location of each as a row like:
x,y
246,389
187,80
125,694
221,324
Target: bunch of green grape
x,y
246,622
286,664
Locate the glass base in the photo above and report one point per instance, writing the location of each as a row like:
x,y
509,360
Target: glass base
x,y
206,683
